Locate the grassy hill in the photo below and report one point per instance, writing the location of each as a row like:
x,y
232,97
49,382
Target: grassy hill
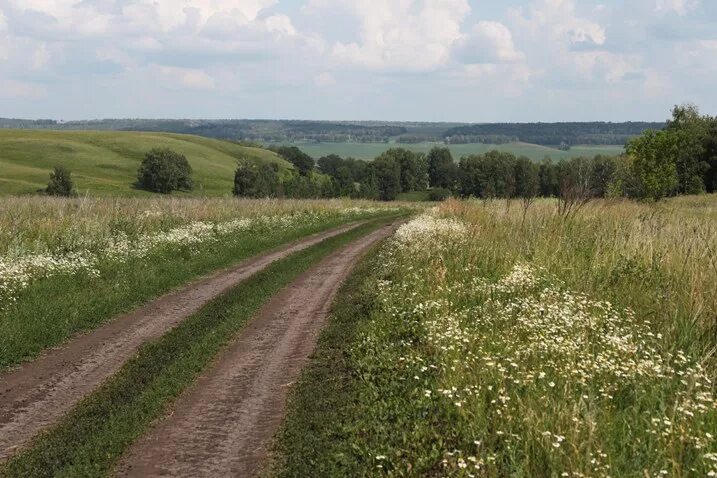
x,y
105,163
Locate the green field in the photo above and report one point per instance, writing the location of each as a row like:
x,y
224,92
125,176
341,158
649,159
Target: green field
x,y
532,151
106,163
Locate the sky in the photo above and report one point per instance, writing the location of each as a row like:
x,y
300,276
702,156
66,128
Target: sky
x,y
407,60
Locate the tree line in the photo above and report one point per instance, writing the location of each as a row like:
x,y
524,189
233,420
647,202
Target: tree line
x,y
681,158
549,134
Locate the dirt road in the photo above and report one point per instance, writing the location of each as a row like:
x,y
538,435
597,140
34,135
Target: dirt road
x,y
37,394
222,425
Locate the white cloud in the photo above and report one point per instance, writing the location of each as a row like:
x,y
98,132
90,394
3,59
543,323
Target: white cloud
x,y
20,89
408,35
557,20
280,24
187,77
489,42
680,7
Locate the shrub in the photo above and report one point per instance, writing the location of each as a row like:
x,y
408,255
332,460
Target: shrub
x,y
439,194
60,183
164,171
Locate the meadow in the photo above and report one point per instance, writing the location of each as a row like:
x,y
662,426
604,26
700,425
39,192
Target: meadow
x,y
535,152
105,163
128,251
478,342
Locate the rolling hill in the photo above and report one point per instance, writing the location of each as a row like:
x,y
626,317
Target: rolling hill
x,y
104,163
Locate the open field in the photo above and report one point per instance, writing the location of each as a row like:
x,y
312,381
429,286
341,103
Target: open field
x,y
533,151
105,163
479,340
479,344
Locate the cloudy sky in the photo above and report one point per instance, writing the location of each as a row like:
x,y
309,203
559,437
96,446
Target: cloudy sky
x,y
430,60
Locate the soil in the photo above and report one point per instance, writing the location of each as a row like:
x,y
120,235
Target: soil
x,y
37,394
224,423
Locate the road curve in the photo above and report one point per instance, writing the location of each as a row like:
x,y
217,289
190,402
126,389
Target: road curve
x,y
38,393
222,424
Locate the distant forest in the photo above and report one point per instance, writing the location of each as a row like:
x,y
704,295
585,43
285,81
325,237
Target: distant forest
x,y
292,131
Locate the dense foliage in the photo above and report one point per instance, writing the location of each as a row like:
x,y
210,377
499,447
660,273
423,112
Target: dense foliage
x,y
60,183
550,134
164,171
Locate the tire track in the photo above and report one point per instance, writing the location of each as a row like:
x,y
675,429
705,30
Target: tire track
x,y
224,422
37,394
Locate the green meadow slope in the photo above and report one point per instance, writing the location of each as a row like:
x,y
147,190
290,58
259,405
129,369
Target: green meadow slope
x,y
105,163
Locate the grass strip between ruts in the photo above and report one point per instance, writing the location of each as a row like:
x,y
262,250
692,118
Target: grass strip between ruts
x,y
90,440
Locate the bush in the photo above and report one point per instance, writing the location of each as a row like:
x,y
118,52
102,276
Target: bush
x,y
60,183
439,194
164,171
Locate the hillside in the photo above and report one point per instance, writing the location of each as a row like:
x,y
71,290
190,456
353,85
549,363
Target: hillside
x,y
106,162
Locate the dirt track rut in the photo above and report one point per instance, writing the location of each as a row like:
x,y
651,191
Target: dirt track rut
x,y
222,425
37,394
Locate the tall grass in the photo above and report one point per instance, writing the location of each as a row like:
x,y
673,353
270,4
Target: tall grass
x,y
498,346
36,224
126,251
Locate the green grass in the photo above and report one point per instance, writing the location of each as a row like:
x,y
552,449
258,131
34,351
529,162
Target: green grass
x,y
486,344
413,196
533,151
105,163
94,435
53,309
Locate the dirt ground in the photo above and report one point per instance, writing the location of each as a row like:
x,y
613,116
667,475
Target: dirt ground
x,y
223,424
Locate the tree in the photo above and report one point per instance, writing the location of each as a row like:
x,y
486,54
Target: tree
x,y
163,171
60,183
413,168
602,174
690,130
442,170
547,172
302,161
244,179
653,162
709,144
387,174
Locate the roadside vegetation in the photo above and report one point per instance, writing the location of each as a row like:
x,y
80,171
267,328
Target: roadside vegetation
x,y
93,436
53,251
485,342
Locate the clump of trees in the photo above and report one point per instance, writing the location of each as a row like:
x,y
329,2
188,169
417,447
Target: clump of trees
x,y
393,172
163,171
680,159
61,183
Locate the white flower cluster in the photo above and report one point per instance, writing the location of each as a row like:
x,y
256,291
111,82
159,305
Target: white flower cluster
x,y
17,273
544,366
427,229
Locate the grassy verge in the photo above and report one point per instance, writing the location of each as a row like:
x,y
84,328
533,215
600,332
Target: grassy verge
x,y
94,435
480,344
53,309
